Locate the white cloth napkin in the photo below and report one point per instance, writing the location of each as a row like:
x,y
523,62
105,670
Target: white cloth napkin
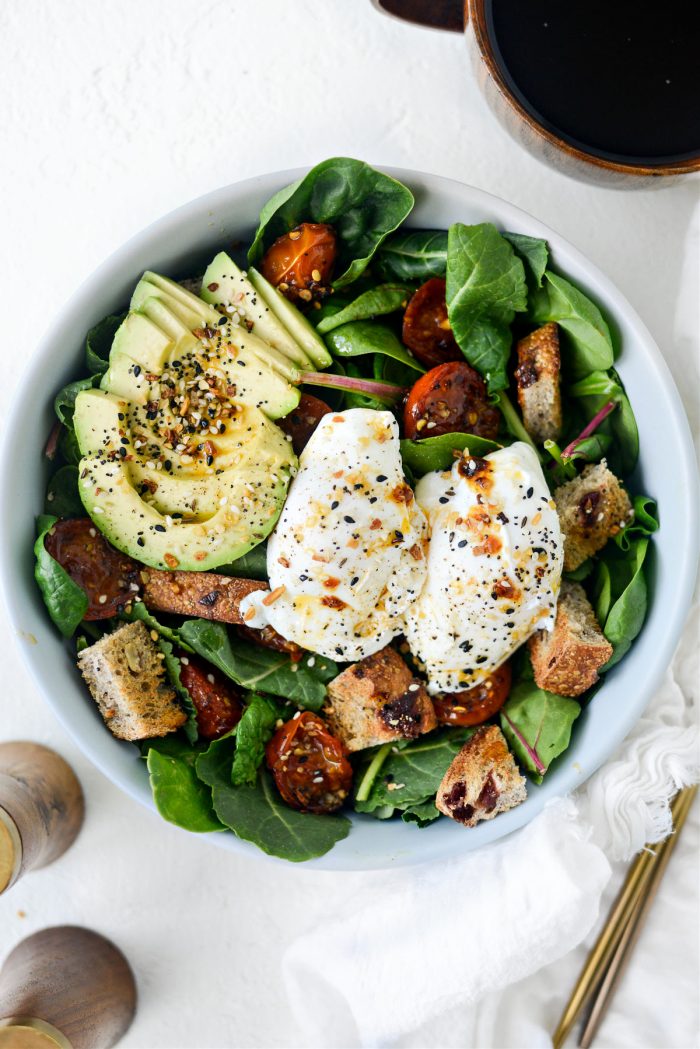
x,y
412,945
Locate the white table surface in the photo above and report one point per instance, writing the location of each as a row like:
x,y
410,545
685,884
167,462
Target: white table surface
x,y
114,113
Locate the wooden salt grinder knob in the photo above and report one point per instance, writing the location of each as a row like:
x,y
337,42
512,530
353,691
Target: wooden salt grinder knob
x,y
65,988
41,809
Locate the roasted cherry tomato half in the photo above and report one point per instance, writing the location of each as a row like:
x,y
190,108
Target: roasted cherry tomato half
x,y
300,263
267,637
475,705
451,398
303,420
216,700
426,328
309,764
109,578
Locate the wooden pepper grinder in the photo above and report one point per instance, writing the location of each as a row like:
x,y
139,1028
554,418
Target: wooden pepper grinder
x,y
41,809
65,988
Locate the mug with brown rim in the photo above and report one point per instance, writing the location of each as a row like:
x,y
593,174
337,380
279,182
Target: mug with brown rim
x,y
604,92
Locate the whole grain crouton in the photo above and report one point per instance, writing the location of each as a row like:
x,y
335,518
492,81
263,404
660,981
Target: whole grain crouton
x,y
482,780
207,595
592,508
128,683
376,701
567,660
537,377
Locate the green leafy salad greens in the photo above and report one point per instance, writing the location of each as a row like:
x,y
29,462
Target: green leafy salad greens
x,y
500,285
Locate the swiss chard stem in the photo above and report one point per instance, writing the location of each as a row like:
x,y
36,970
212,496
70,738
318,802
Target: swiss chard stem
x,y
590,429
372,772
513,422
532,754
383,391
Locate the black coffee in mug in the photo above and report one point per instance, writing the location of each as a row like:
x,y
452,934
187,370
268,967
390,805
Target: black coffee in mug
x,y
616,78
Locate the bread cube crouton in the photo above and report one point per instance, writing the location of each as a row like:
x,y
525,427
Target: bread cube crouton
x,y
567,660
537,377
592,508
207,595
482,780
376,701
128,682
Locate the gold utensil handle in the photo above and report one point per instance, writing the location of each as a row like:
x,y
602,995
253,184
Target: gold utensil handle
x,y
41,809
635,888
65,987
630,935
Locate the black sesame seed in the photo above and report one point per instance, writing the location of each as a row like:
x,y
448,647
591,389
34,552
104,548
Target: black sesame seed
x,y
335,504
381,477
349,520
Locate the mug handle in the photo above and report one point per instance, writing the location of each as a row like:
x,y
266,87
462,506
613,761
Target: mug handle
x,y
433,14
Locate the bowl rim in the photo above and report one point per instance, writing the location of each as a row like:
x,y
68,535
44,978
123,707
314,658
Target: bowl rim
x,y
342,857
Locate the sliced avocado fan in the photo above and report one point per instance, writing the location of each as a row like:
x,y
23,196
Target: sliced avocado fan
x,y
271,316
182,466
187,511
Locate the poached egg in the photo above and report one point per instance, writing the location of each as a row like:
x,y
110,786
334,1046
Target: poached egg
x,y
347,557
494,566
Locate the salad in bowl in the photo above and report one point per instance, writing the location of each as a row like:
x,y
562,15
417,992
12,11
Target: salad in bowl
x,y
344,521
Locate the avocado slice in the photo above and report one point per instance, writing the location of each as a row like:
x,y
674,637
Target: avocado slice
x,y
293,320
154,341
208,512
226,286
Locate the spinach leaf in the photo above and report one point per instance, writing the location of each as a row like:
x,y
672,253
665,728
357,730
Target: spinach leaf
x,y
602,592
436,453
385,298
582,572
626,616
68,445
363,206
404,775
64,406
589,341
252,733
422,814
412,255
257,814
533,252
513,423
140,612
180,796
64,401
66,602
62,497
358,338
537,725
485,288
596,390
261,669
173,668
99,343
252,565
645,522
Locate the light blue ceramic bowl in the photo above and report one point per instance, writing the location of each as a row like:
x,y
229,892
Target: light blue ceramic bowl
x,y
183,242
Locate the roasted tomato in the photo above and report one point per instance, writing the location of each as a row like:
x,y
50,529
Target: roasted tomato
x,y
475,705
426,329
300,263
109,578
309,764
216,700
451,398
267,637
303,420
